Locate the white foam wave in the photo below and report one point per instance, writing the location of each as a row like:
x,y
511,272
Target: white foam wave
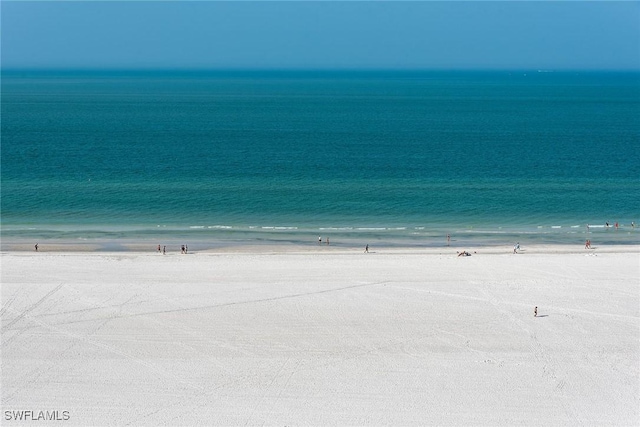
x,y
335,228
278,228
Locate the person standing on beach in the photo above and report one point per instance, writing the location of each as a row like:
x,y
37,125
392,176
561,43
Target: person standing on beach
x,y
159,250
448,239
319,239
164,250
327,241
366,249
36,247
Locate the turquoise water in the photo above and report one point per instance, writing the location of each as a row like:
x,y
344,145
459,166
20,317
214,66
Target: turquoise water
x,y
386,157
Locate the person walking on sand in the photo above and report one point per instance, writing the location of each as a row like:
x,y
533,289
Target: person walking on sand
x,y
36,246
366,249
535,311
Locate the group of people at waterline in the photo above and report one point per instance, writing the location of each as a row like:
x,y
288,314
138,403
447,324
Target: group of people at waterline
x,y
183,249
616,225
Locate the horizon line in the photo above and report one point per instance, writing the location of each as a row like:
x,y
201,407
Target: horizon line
x,y
11,69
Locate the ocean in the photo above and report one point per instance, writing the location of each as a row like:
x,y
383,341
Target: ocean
x,y
380,157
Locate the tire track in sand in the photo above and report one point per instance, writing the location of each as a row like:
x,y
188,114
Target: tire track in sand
x,y
29,309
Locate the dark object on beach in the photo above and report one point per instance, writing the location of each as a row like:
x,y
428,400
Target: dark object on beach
x,y
535,311
36,247
366,249
463,253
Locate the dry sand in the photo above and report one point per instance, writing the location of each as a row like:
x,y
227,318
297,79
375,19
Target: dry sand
x,y
323,336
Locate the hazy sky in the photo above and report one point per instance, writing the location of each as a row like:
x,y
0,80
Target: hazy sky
x,y
442,35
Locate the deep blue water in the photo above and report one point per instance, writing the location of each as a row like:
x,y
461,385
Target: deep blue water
x,y
384,156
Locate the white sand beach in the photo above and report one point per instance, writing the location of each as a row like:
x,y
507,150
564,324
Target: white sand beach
x,y
323,336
